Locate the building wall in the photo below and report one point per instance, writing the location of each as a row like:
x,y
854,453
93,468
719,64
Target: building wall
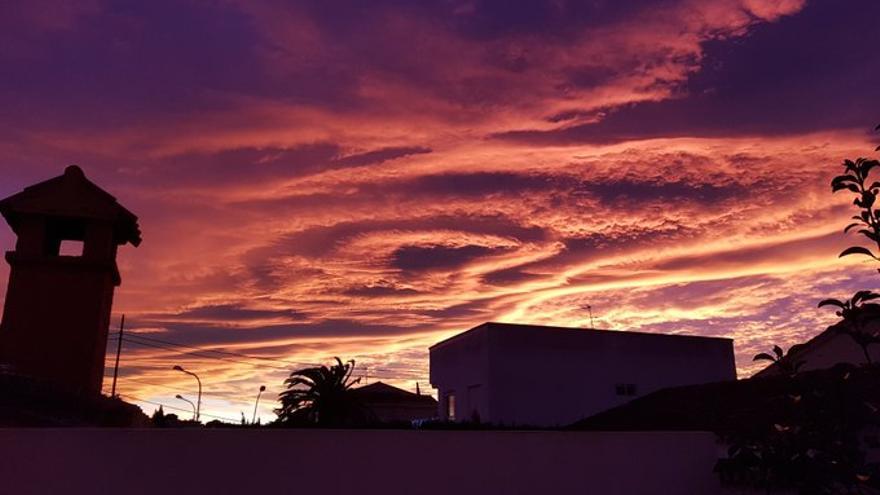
x,y
458,368
56,320
396,413
235,461
554,377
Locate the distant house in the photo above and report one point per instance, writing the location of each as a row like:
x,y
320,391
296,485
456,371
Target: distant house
x,y
394,405
550,376
769,423
749,404
833,346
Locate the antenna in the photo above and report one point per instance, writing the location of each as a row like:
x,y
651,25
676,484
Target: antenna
x,y
590,309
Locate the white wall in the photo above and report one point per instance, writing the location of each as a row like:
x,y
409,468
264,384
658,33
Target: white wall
x,y
552,377
457,366
65,461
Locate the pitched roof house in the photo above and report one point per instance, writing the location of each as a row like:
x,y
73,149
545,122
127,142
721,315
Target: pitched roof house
x,y
394,405
833,346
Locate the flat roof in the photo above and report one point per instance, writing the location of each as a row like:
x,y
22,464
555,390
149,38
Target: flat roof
x,y
544,328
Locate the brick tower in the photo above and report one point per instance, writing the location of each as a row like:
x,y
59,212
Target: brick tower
x,y
57,311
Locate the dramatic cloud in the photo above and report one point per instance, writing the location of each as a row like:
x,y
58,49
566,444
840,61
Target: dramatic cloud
x,y
363,179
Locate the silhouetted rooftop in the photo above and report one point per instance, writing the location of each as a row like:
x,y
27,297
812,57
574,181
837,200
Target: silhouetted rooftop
x,y
382,392
72,195
801,351
549,330
753,404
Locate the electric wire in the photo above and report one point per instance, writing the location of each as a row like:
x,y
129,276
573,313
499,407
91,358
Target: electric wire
x,y
201,352
175,408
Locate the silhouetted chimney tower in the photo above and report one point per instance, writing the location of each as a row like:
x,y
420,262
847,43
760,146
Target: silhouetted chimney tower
x,y
57,311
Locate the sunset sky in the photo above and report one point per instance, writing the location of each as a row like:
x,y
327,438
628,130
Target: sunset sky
x,y
362,179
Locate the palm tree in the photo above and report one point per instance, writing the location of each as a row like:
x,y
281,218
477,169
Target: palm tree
x,y
321,396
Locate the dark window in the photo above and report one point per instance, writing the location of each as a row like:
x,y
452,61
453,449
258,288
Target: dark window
x,y
62,230
626,389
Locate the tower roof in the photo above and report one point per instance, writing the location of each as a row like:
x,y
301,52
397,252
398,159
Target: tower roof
x,y
72,195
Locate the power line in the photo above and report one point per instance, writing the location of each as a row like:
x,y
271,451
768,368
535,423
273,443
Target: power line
x,y
200,352
166,406
216,395
228,353
178,390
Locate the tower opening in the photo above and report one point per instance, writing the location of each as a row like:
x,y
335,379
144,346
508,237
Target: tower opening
x,y
71,248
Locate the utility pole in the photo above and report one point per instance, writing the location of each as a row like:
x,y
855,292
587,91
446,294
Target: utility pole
x,y
118,352
590,309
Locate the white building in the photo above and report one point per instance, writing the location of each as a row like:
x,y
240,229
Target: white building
x,y
511,374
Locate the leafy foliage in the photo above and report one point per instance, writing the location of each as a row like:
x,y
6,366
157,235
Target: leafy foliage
x,y
813,446
857,319
877,129
158,416
321,396
786,363
852,307
856,179
161,420
855,313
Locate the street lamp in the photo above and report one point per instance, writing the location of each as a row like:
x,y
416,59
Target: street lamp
x,y
262,389
178,396
199,400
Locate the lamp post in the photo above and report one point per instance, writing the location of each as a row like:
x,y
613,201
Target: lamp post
x,y
199,400
178,396
257,403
